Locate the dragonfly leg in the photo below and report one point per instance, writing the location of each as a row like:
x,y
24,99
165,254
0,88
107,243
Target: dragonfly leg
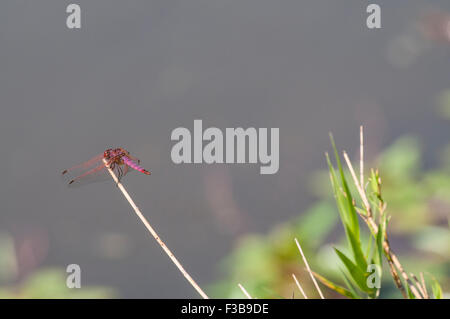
x,y
120,172
112,167
110,164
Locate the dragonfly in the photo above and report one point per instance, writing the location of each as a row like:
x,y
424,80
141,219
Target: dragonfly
x,y
118,159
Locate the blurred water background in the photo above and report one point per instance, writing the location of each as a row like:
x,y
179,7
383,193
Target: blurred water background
x,y
139,69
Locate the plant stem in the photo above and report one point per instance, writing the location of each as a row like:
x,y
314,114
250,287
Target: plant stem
x,y
309,269
154,234
299,286
245,292
390,256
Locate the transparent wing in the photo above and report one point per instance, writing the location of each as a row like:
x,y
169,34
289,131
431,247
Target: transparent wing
x,y
80,169
91,171
96,174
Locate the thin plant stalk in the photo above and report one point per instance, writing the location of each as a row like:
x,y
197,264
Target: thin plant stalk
x,y
418,284
299,286
391,257
155,235
422,279
309,269
245,292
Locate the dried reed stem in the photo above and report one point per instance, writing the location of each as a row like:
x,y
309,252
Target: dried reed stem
x,y
309,269
154,234
299,286
391,257
422,279
245,291
418,284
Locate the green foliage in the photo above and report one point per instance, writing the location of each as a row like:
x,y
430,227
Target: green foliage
x,y
42,283
263,263
444,104
418,203
437,290
347,293
356,269
51,283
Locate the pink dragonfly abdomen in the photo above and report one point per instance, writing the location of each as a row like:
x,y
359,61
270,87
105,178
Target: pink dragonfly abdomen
x,y
134,165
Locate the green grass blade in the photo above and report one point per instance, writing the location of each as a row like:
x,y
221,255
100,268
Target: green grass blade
x,y
410,294
351,212
380,239
357,251
340,290
340,199
369,248
356,274
437,290
349,284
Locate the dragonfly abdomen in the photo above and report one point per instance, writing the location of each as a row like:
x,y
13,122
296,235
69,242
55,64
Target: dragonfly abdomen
x,y
135,166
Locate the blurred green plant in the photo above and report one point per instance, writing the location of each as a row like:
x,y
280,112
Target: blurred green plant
x,y
42,283
359,280
443,103
51,283
418,202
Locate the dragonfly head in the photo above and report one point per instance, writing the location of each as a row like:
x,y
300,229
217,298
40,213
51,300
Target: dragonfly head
x,y
121,152
107,153
115,153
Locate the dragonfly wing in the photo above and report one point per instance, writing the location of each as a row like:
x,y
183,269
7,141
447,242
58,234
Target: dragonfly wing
x,y
96,174
80,169
92,171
